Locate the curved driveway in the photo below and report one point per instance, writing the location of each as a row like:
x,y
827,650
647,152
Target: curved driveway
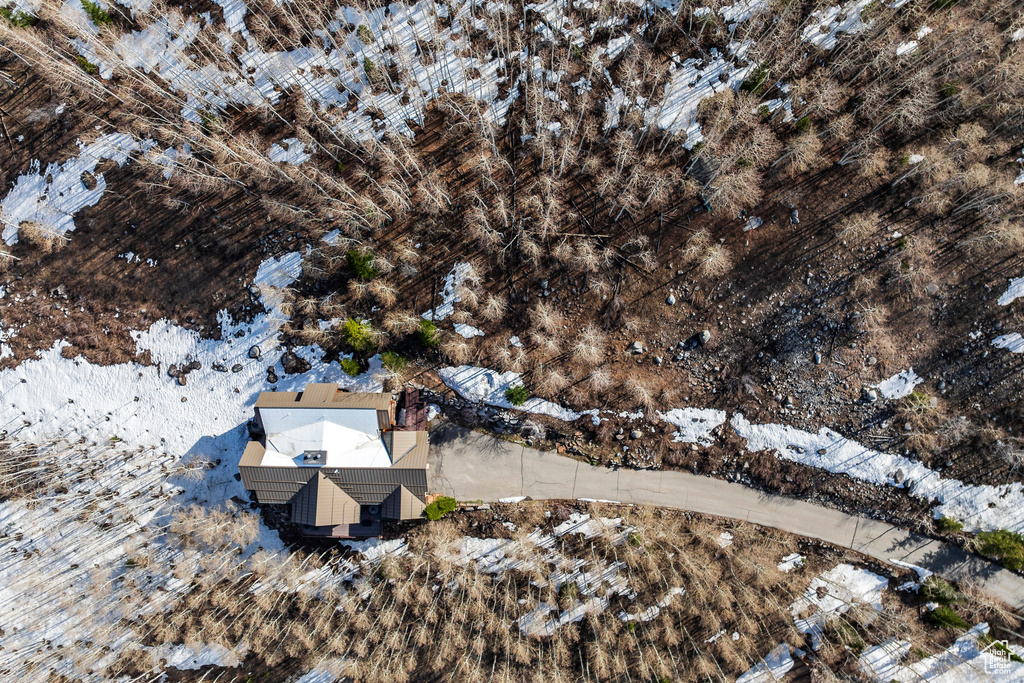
x,y
473,466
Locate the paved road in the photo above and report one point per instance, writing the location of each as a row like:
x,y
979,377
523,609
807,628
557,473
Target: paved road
x,y
473,466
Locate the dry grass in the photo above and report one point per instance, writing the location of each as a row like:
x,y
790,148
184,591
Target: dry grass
x,y
44,238
856,229
589,346
426,613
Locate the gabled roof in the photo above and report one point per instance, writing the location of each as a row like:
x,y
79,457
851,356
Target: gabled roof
x,y
326,395
322,503
408,449
402,504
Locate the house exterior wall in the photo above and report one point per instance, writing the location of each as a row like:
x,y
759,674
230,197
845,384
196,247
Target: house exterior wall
x,y
366,486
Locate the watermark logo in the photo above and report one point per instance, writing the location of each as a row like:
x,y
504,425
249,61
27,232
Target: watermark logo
x,y
1000,661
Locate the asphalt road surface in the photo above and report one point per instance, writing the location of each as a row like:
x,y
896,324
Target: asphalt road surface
x,y
472,466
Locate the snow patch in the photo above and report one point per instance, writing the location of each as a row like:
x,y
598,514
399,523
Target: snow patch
x,y
690,83
190,658
487,386
841,588
293,153
51,199
772,667
899,385
456,278
980,508
695,425
467,331
1014,291
965,661
1013,343
791,562
824,26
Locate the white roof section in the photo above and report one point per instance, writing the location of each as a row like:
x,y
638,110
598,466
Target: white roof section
x,y
350,437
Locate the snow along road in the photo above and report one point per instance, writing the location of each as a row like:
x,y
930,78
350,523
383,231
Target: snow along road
x,y
472,466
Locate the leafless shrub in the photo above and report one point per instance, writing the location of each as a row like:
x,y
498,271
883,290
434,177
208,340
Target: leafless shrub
x,y
858,227
803,153
194,467
715,262
737,190
639,392
551,381
384,292
493,308
46,238
600,379
589,347
548,344
401,321
545,318
696,245
456,350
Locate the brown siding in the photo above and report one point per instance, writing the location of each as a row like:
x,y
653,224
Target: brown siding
x,y
275,484
369,486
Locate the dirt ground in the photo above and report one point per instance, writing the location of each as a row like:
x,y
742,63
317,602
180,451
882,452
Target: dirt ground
x,y
793,290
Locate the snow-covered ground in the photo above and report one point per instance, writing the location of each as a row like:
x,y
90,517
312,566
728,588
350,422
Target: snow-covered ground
x,y
49,199
487,386
825,25
695,425
450,291
1014,291
691,82
772,667
791,562
1014,342
899,385
967,660
52,396
835,592
56,552
980,508
292,152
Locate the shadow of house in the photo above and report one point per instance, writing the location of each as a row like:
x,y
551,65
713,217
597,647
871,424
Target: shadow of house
x,y
338,458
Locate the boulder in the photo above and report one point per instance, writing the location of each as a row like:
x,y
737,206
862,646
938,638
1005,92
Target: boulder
x,y
705,337
237,367
292,364
636,347
173,371
255,352
671,300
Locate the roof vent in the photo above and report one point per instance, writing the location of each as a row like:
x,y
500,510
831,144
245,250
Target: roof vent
x,y
314,456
